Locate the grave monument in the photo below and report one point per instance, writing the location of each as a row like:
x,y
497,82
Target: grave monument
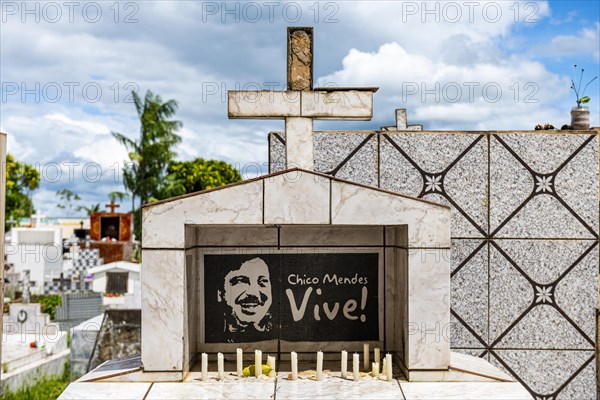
x,y
111,233
300,265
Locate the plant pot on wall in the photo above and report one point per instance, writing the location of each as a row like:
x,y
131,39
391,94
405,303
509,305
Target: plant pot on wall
x,y
580,118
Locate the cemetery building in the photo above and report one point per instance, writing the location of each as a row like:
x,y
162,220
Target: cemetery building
x,y
470,257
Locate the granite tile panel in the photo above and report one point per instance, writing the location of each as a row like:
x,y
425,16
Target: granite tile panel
x,y
397,174
556,178
577,293
546,373
469,294
581,385
577,183
511,293
544,261
544,327
544,217
510,184
277,152
544,153
450,170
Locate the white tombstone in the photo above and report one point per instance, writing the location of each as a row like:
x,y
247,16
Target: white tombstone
x,y
38,250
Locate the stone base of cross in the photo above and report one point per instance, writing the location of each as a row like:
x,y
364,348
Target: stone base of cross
x,y
301,104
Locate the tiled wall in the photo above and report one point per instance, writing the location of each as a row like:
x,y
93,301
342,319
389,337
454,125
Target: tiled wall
x,y
525,238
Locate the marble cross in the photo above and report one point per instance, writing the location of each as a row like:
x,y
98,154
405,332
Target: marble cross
x,y
38,218
301,104
112,206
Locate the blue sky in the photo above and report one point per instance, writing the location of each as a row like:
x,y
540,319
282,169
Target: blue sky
x,y
66,69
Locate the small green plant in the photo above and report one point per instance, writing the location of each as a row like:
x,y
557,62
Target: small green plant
x,y
4,367
579,95
49,303
43,388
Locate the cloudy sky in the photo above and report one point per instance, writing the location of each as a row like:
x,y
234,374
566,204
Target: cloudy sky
x,y
67,68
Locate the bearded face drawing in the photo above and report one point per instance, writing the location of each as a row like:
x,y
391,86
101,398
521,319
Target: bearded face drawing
x,y
247,293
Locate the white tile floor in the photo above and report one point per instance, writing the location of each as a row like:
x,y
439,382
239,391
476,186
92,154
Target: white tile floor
x,y
332,387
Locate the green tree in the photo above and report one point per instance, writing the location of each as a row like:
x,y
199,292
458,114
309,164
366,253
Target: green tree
x,y
117,196
68,200
199,174
94,208
151,153
21,180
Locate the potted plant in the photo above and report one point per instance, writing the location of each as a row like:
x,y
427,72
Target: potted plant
x,y
580,115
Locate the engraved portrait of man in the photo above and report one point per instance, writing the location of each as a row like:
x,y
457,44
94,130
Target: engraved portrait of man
x,y
248,295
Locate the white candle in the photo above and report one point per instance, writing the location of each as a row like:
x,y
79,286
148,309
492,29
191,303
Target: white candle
x,y
344,364
294,366
366,357
319,365
257,363
384,367
220,367
376,356
375,370
388,364
355,366
271,363
240,365
204,366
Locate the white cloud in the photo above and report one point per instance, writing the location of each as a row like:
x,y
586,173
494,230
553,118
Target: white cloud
x,y
587,41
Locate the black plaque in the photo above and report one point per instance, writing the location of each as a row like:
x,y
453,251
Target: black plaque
x,y
295,297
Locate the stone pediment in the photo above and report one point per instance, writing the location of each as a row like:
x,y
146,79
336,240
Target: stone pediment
x,y
296,197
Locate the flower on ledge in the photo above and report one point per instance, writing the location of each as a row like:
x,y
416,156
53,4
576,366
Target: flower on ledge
x,y
433,183
544,294
543,184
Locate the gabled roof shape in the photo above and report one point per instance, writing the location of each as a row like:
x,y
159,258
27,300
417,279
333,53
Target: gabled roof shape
x,y
294,196
116,265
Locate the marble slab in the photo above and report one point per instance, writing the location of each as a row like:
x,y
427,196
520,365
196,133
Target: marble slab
x,y
263,104
464,391
334,387
428,309
250,388
106,390
163,298
338,104
429,223
163,223
296,197
299,151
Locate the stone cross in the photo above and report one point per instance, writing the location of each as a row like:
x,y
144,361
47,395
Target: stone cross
x,y
300,104
112,206
38,218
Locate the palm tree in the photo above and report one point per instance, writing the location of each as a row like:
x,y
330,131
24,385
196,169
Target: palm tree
x,y
94,208
149,156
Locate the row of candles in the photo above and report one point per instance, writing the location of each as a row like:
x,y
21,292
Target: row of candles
x,y
386,368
